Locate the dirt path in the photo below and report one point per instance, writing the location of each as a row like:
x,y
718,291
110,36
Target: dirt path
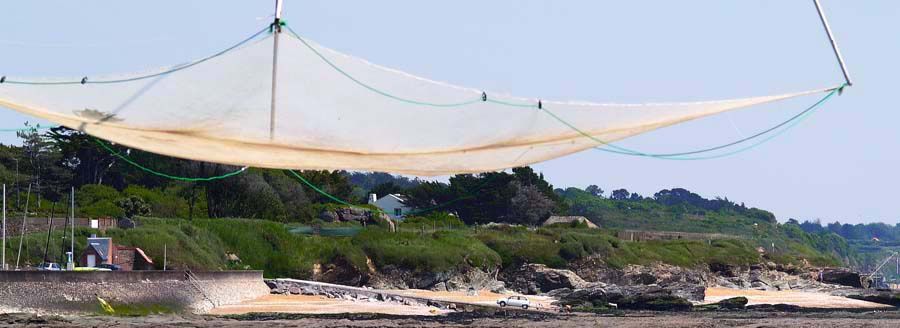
x,y
803,299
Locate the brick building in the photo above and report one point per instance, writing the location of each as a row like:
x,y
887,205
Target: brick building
x,y
102,250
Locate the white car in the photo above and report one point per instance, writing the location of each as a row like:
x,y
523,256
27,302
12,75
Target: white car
x,y
49,266
519,301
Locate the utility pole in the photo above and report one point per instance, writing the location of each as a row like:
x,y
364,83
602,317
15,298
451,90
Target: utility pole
x,y
165,256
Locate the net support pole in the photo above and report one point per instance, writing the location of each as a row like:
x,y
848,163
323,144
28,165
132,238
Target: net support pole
x,y
837,51
276,30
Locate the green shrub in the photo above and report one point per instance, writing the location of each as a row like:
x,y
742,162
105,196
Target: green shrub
x,y
517,246
441,220
163,203
102,208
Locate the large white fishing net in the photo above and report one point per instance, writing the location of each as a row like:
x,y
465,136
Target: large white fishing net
x,y
334,111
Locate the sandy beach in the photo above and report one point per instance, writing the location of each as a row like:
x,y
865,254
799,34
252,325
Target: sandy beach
x,y
320,305
323,305
798,298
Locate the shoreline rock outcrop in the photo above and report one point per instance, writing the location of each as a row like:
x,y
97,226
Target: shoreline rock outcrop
x,y
465,278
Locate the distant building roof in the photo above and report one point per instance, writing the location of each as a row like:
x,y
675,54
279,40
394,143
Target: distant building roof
x,y
137,252
398,197
141,252
101,246
569,219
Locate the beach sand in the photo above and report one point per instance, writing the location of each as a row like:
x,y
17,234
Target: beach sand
x,y
320,305
802,299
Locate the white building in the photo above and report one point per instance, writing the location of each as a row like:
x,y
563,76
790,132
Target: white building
x,y
392,204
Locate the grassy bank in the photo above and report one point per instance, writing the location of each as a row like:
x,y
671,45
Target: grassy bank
x,y
204,244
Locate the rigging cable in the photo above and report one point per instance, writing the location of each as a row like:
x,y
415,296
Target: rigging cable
x,y
165,175
615,148
147,76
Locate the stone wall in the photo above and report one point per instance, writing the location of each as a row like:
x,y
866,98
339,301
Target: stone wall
x,y
77,292
40,224
638,235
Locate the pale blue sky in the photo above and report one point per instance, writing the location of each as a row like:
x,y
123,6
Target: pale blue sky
x,y
841,164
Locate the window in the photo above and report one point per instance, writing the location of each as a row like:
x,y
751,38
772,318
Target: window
x,y
398,212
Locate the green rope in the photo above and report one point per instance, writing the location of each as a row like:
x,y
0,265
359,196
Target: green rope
x,y
330,196
614,148
802,117
376,90
320,191
791,122
415,212
36,128
164,175
142,77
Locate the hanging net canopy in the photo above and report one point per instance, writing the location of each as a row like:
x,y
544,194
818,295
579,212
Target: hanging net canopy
x,y
335,111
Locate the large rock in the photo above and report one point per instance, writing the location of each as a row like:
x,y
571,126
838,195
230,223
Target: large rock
x,y
594,269
769,277
840,276
654,298
724,270
341,272
348,214
734,303
126,223
466,278
538,278
688,291
871,295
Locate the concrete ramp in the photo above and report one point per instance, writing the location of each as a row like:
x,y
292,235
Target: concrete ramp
x,y
77,292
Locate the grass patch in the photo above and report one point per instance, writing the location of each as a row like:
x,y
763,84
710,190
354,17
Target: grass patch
x,y
202,244
439,251
557,246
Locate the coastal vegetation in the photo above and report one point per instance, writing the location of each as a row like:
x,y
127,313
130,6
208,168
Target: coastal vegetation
x,y
266,219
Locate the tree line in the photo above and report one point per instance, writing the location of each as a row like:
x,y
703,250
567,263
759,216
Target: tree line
x,y
52,161
47,163
859,231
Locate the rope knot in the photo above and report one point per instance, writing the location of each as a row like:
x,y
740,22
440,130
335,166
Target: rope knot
x,y
276,25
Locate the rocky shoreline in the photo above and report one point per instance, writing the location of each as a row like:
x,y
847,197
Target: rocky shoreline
x,y
638,319
590,284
